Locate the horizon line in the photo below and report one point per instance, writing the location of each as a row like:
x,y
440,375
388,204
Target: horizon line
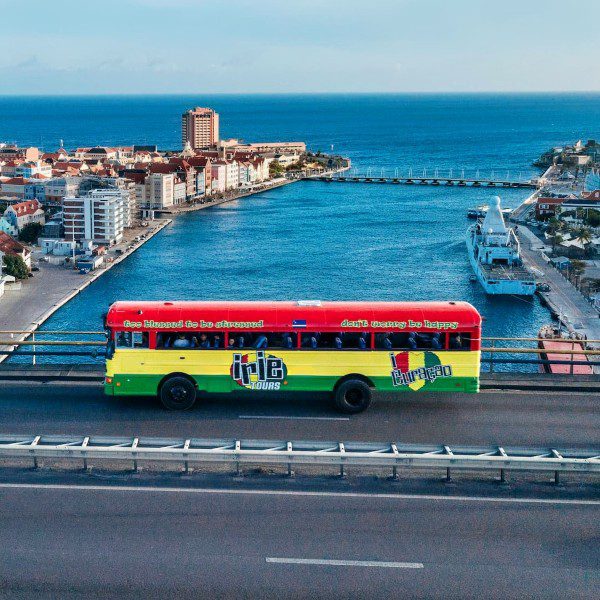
x,y
339,93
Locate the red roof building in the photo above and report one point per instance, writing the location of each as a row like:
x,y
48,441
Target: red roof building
x,y
10,246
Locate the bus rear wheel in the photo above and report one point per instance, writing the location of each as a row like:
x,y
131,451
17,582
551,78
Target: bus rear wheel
x,y
352,396
177,393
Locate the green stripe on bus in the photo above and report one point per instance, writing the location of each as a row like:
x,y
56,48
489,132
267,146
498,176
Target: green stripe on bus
x,y
147,385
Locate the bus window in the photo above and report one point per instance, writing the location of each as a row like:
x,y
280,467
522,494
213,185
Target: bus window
x,y
310,340
336,341
460,341
433,341
132,339
196,340
209,340
285,340
124,339
140,339
395,341
356,340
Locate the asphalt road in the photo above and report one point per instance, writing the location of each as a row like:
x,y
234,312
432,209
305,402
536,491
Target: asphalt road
x,y
96,540
508,418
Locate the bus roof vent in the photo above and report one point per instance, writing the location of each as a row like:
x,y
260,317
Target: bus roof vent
x,y
308,303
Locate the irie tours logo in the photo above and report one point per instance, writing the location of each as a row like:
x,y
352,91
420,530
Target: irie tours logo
x,y
257,371
415,369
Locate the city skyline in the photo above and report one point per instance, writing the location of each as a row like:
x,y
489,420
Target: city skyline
x,y
184,46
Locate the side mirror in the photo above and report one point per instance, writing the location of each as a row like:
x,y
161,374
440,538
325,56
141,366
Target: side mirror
x,y
110,349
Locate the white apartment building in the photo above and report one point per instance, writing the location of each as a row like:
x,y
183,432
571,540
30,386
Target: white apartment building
x,y
233,175
218,171
159,191
179,192
97,216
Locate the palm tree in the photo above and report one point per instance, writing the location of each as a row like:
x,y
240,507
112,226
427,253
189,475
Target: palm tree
x,y
584,236
555,240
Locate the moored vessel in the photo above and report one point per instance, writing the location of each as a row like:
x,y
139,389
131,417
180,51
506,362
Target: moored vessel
x,y
494,253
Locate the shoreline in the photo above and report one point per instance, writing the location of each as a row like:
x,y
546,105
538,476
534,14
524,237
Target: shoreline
x,y
166,218
38,321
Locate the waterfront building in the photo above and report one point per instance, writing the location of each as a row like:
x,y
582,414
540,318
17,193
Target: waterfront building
x,y
24,213
218,173
202,167
233,175
179,191
199,128
547,207
10,246
244,173
99,216
158,191
186,173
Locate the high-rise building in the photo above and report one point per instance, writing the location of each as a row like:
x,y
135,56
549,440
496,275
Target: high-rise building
x,y
98,216
199,128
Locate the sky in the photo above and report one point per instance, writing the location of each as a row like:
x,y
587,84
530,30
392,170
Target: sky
x,y
298,46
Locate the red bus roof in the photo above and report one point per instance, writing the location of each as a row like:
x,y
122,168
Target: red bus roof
x,y
284,316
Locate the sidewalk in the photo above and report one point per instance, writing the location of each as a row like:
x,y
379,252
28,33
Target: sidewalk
x,y
564,299
54,285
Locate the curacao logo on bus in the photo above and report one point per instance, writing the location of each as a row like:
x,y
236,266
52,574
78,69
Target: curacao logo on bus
x,y
416,369
257,371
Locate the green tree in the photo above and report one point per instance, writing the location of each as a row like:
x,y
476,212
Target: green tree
x,y
14,265
584,236
276,169
593,218
555,240
577,267
31,232
554,225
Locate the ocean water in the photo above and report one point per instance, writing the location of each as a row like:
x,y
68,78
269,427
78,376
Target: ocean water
x,y
318,240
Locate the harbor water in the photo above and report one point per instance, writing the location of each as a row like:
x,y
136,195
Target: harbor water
x,y
317,240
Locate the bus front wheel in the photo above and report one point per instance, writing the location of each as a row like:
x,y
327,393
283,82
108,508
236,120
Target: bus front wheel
x,y
352,396
177,393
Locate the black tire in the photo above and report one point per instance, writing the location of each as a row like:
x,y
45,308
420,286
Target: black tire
x,y
177,393
352,396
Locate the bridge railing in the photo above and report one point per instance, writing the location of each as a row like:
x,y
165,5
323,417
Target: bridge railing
x,y
496,351
290,454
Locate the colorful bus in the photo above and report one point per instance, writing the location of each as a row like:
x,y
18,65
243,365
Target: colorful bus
x,y
176,350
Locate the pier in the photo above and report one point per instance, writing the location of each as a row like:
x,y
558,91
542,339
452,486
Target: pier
x,y
435,179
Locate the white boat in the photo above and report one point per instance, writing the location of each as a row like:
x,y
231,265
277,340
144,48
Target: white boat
x,y
494,253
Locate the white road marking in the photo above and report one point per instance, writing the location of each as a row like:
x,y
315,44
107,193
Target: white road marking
x,y
345,563
293,418
300,493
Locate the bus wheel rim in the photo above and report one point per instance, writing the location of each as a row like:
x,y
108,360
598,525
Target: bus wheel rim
x,y
179,393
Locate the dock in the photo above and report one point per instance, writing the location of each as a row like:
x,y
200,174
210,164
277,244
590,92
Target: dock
x,y
567,303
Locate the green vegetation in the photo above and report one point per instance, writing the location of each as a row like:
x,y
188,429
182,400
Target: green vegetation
x,y
592,218
30,233
14,265
276,169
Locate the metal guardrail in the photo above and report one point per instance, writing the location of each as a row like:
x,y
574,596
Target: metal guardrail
x,y
196,451
492,355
